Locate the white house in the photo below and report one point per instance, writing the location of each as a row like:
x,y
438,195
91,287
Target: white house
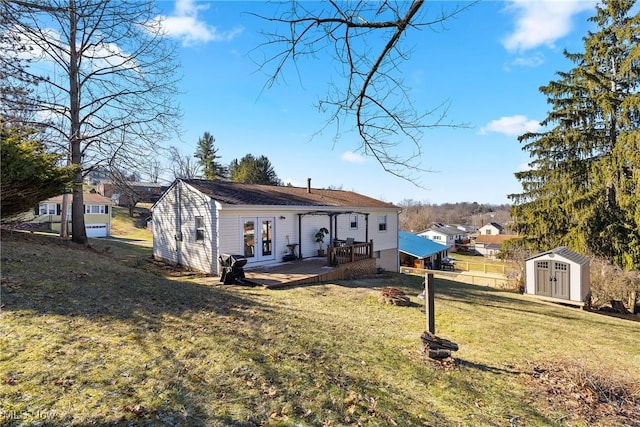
x,y
444,234
195,221
490,229
559,275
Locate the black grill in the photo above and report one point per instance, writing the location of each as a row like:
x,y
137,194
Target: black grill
x,y
232,272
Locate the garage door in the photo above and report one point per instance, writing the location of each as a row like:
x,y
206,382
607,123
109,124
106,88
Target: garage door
x,y
96,230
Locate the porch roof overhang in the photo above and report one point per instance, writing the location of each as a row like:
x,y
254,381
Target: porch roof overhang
x,y
333,228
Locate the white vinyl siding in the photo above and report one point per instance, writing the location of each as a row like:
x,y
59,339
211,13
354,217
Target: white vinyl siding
x,y
176,240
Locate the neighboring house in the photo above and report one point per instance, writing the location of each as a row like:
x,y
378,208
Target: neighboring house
x,y
418,252
96,176
491,245
148,192
97,214
491,229
445,234
195,221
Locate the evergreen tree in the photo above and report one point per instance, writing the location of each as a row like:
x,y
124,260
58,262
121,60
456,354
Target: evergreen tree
x,y
582,188
253,170
206,154
29,174
104,87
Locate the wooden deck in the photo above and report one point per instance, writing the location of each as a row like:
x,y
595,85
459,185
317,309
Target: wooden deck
x,y
298,272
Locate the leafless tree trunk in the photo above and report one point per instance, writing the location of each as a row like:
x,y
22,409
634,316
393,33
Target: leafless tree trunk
x,y
369,39
106,78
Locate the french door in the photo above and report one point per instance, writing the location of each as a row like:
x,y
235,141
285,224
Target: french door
x,y
258,239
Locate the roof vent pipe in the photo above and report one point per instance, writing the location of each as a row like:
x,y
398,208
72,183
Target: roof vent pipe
x,y
308,185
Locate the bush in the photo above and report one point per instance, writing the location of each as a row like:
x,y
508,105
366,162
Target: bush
x,y
609,282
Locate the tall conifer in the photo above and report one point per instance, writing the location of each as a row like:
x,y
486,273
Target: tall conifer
x,y
582,188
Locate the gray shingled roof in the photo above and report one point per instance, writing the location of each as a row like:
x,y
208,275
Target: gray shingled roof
x,y
448,230
233,193
566,254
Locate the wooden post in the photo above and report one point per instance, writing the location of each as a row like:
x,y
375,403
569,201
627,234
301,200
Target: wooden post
x,y
429,305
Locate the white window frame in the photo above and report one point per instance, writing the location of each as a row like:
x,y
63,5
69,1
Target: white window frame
x,y
200,228
353,222
90,209
382,223
47,209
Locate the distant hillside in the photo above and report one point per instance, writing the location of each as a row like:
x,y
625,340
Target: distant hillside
x,y
417,216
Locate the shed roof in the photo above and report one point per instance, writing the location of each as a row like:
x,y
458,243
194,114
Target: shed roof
x,y
419,247
566,254
234,193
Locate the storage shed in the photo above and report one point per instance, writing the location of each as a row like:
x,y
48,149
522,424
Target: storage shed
x,y
559,275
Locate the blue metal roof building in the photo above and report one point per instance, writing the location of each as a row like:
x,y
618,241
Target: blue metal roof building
x,y
418,247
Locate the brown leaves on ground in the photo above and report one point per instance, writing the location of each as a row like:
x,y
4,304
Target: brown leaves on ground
x,y
590,395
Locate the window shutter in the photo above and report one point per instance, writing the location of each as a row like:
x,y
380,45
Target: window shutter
x,y
58,209
36,210
106,209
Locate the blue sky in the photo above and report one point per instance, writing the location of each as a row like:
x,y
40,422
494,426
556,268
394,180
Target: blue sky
x,y
488,62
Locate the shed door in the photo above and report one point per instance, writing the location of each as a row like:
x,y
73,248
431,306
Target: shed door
x,y
560,288
543,278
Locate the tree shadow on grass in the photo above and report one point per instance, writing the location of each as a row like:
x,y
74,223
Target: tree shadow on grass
x,y
65,286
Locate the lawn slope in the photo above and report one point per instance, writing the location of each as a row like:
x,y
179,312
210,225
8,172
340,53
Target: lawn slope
x,y
101,336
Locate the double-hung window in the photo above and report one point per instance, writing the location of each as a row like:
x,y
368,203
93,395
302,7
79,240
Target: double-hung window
x,y
353,222
199,228
382,223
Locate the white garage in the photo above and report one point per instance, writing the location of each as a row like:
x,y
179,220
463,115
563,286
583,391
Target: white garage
x,y
97,230
559,275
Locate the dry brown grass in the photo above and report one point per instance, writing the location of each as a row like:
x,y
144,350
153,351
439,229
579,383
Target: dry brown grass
x,y
102,337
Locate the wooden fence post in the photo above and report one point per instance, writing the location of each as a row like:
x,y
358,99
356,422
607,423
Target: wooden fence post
x,y
429,304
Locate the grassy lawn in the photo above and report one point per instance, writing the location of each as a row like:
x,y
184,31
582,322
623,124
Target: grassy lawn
x,y
122,225
102,336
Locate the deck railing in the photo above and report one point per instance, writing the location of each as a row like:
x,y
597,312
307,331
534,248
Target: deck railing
x,y
343,254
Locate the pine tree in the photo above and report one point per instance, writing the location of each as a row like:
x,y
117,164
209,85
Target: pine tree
x,y
29,173
206,154
582,188
253,170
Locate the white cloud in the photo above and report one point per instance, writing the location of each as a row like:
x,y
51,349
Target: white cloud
x,y
511,126
542,22
352,157
529,61
186,25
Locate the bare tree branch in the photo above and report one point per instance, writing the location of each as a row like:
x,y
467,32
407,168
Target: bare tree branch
x,y
368,39
106,80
